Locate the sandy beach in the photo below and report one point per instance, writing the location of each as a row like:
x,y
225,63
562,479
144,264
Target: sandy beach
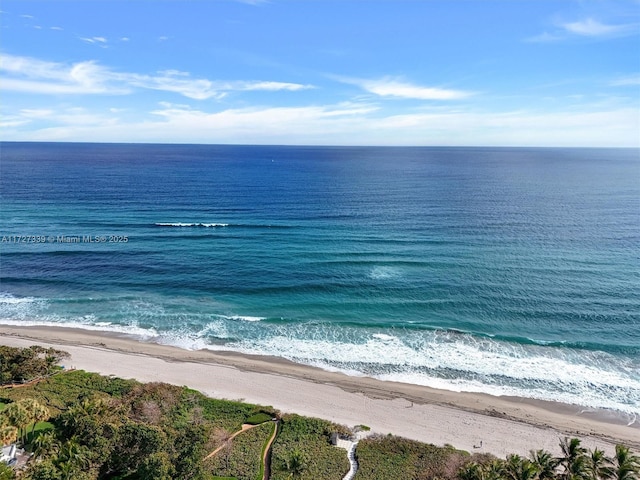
x,y
464,420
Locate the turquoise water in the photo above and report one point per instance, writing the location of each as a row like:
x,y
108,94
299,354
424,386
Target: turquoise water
x,y
506,271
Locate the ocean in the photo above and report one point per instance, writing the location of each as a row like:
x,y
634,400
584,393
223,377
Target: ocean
x,y
509,271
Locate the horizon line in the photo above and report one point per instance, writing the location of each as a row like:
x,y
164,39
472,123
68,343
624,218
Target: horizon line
x,y
301,145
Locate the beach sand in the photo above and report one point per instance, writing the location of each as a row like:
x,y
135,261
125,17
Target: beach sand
x,y
503,424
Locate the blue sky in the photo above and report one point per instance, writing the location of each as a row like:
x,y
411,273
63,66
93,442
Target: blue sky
x,y
327,72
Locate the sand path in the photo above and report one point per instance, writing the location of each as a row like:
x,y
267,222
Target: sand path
x,y
267,452
245,427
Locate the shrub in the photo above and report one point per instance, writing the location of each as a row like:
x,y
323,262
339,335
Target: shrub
x,y
384,457
311,437
258,418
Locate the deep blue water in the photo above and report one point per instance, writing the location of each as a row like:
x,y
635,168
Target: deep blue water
x,y
503,270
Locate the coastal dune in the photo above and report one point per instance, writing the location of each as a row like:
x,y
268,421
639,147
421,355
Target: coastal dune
x,y
469,421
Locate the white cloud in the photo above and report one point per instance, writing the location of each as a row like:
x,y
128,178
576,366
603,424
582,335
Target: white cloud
x,y
592,28
68,116
98,40
176,106
391,87
350,124
174,73
197,89
82,116
629,80
272,119
178,123
29,75
48,88
13,121
87,73
202,89
36,112
56,28
587,27
519,128
269,86
405,90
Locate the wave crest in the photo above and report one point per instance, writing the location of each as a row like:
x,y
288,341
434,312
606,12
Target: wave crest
x,y
186,225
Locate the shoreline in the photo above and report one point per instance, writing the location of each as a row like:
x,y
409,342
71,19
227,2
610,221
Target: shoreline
x,y
503,424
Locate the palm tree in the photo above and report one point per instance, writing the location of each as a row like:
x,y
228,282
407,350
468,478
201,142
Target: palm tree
x,y
72,451
35,411
41,414
471,471
7,428
545,463
18,417
483,471
518,468
74,418
573,460
45,444
599,466
626,466
67,470
8,434
72,459
29,405
294,464
495,470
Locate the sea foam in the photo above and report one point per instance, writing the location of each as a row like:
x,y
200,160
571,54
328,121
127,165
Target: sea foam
x,y
384,273
184,225
463,362
437,358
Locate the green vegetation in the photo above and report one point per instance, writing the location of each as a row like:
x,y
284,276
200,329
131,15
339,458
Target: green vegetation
x,y
258,418
266,452
19,365
39,429
6,472
242,456
16,418
226,414
575,463
385,457
84,426
105,427
59,391
303,450
382,458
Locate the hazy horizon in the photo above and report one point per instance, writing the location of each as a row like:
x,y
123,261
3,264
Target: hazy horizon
x,y
281,72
